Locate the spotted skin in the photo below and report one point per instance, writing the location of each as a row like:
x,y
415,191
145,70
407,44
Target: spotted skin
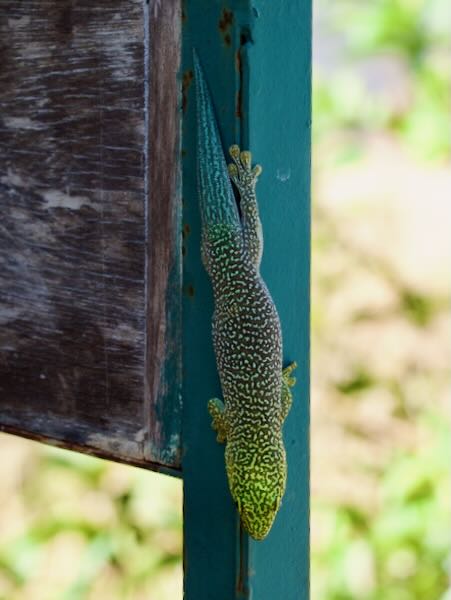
x,y
246,328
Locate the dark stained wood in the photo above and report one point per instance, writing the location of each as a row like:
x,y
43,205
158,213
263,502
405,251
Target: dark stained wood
x,y
163,384
89,226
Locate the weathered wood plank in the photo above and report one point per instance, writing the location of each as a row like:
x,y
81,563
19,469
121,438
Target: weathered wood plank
x,y
89,276
164,336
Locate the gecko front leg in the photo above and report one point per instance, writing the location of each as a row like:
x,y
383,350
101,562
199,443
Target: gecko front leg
x,y
218,418
287,383
245,179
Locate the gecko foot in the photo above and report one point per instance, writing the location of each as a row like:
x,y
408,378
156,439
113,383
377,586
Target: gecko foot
x,y
241,172
287,383
216,410
290,381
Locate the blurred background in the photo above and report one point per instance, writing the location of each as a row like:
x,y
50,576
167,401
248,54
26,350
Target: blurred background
x,y
77,528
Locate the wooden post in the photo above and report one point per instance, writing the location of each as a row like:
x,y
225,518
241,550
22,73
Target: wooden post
x,y
257,61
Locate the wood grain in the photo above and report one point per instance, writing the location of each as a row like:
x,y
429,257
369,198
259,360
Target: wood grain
x,y
89,228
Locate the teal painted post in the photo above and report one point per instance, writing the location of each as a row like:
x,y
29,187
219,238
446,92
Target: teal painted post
x,y
277,129
257,61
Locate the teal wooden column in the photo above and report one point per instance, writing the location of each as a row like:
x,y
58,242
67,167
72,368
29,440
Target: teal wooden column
x,y
257,60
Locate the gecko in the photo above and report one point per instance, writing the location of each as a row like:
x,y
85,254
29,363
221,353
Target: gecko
x,y
246,329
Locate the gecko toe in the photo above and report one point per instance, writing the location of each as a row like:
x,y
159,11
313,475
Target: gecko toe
x,y
246,159
241,172
257,171
233,170
234,152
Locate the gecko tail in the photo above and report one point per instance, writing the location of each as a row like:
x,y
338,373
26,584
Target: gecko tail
x,y
216,198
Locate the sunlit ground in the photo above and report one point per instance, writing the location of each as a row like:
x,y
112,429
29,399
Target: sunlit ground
x,y
73,528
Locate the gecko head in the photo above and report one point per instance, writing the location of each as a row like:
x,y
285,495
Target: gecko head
x,y
257,483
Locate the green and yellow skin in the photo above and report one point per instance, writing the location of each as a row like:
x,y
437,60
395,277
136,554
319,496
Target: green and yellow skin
x,y
246,328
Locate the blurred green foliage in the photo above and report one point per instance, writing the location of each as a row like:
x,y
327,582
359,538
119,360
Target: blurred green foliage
x,y
411,96
400,551
84,528
382,72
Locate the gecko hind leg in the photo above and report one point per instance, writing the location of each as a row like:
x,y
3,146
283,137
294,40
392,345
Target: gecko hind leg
x,y
286,374
287,383
219,423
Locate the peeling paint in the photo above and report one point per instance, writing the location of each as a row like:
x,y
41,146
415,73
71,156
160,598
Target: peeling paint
x,y
186,83
22,123
8,314
19,22
283,174
189,290
171,449
225,26
117,445
123,333
57,199
14,179
121,53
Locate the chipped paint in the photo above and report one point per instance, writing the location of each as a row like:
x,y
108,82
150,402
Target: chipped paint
x,y
21,123
225,26
18,180
283,174
189,290
58,199
9,314
117,445
19,22
187,79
